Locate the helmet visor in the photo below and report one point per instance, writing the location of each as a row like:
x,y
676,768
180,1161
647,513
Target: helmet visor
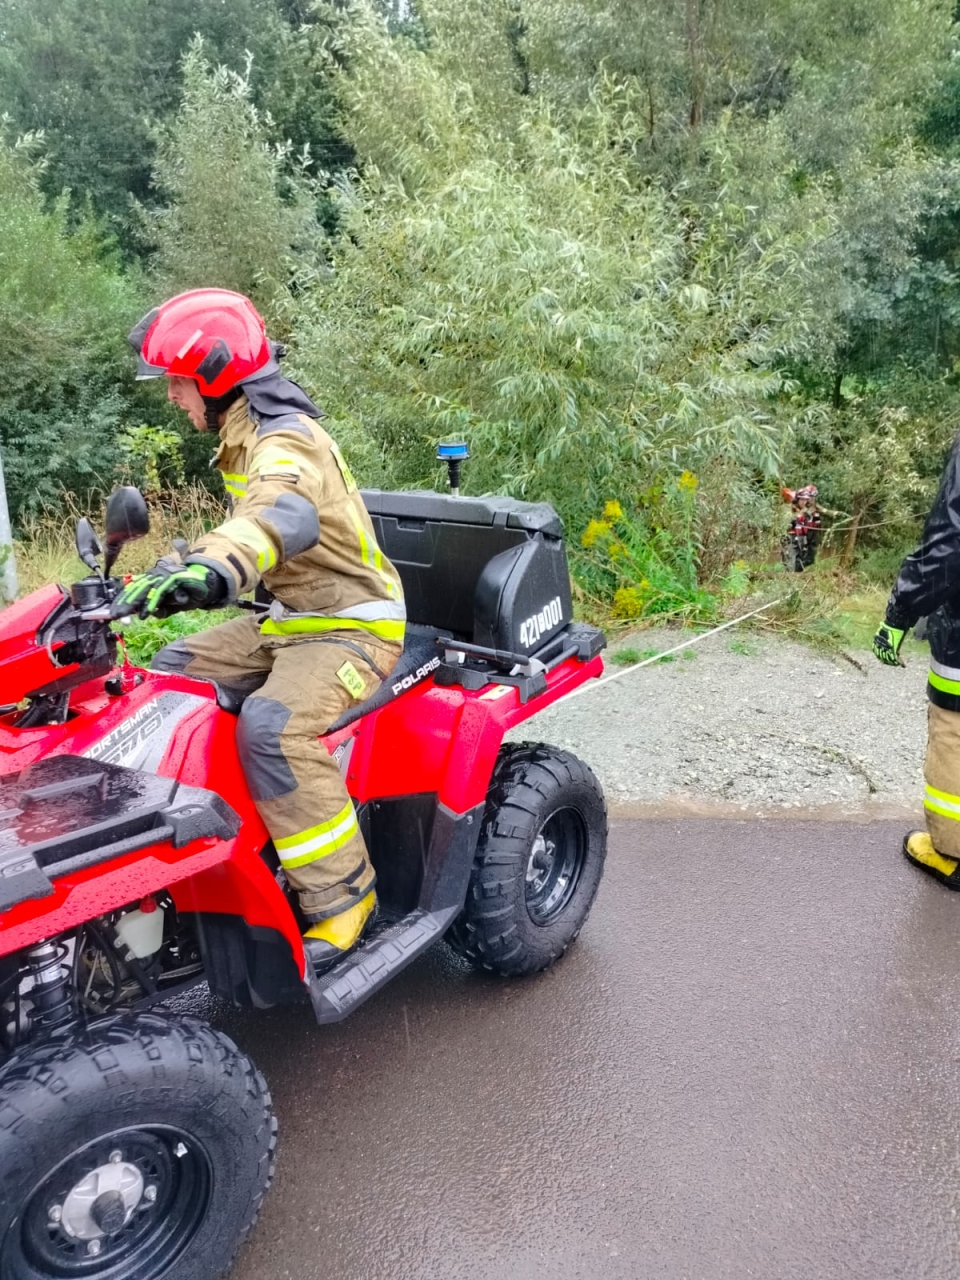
x,y
145,371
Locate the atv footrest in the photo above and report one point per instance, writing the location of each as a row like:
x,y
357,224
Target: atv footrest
x,y
339,991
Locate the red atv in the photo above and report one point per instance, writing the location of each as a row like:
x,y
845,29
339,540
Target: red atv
x,y
136,1143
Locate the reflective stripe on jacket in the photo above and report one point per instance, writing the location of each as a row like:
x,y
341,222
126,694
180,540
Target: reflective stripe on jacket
x,y
298,524
943,682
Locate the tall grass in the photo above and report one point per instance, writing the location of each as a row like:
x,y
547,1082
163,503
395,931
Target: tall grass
x,y
46,551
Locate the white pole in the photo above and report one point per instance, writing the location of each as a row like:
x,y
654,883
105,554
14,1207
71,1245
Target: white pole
x,y
8,580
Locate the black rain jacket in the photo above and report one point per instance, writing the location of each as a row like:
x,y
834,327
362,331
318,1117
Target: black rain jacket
x,y
929,584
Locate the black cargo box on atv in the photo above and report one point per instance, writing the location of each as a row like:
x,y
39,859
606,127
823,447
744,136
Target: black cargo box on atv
x,y
490,571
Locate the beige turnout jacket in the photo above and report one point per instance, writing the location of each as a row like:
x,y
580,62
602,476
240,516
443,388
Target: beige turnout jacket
x,y
299,525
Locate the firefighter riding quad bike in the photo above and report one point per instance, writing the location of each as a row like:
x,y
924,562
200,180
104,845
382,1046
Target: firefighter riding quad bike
x,y
135,1143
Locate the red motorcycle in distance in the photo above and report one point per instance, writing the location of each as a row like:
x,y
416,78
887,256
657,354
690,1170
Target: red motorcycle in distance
x,y
137,1144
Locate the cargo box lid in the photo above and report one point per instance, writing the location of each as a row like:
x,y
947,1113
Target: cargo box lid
x,y
424,504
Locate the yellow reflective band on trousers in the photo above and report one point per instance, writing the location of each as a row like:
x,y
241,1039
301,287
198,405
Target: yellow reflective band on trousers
x,y
253,538
372,556
317,842
385,629
942,802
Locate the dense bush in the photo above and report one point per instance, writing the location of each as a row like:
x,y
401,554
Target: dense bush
x,y
66,377
97,76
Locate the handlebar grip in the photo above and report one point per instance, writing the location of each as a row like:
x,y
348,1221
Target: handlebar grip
x,y
182,598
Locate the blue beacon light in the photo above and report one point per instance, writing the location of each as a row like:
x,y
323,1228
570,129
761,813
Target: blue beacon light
x,y
453,454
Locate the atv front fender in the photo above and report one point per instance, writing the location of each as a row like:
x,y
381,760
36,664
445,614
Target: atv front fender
x,y
207,875
81,838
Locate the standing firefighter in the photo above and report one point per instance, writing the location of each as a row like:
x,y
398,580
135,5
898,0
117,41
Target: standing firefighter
x,y
929,583
335,627
798,546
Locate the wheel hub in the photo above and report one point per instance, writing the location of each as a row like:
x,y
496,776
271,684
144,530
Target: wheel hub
x,y
104,1201
123,1206
553,868
540,865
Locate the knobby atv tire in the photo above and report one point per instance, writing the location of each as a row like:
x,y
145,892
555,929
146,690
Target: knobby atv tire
x,y
126,1075
496,931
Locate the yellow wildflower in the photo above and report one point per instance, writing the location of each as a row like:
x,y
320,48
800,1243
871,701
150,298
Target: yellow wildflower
x,y
594,530
687,482
613,510
616,550
627,603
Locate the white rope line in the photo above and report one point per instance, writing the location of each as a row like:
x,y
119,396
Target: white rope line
x,y
658,657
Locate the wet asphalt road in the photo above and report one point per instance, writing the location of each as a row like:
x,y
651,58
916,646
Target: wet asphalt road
x,y
748,1066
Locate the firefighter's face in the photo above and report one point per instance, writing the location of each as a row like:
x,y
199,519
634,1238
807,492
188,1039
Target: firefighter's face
x,y
185,394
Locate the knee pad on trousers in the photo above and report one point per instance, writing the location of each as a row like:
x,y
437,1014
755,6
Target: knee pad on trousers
x,y
259,729
175,657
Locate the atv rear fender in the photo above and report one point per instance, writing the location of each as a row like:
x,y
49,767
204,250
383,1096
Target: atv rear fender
x,y
444,740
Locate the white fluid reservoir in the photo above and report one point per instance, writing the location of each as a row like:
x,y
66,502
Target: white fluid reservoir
x,y
141,931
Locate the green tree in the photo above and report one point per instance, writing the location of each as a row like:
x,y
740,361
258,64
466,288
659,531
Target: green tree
x,y
64,308
878,455
504,273
610,243
240,211
97,76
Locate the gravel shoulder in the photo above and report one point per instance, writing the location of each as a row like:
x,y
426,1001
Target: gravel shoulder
x,y
745,724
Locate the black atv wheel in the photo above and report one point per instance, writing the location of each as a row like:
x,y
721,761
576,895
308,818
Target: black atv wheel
x,y
137,1148
538,864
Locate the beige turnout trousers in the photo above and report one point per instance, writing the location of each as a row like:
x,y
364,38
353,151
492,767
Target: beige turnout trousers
x,y
307,683
941,801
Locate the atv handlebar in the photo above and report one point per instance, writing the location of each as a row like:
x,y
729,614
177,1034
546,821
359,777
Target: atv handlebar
x,y
105,608
105,613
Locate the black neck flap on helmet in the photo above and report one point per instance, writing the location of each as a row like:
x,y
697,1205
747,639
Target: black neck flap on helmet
x,y
271,394
268,391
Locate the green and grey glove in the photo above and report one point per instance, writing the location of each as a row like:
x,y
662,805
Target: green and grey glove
x,y
168,588
886,645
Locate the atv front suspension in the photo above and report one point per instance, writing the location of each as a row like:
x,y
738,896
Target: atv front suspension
x,y
90,973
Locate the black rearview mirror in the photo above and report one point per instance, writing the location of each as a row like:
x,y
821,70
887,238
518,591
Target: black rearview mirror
x,y
127,518
88,544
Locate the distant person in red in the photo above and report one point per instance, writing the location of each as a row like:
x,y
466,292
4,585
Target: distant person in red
x,y
799,543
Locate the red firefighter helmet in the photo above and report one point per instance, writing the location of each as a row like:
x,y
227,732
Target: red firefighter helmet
x,y
798,497
214,336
